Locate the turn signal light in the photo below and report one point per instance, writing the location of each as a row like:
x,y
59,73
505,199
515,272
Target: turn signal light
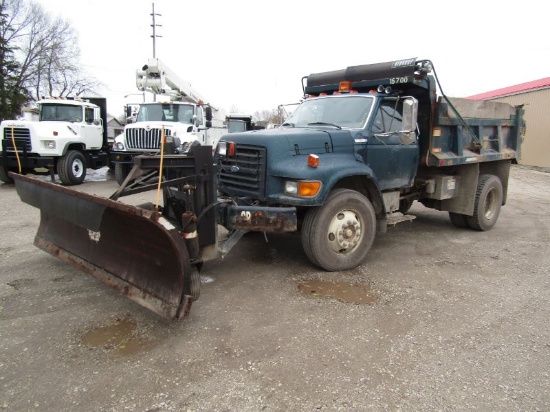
x,y
231,149
308,189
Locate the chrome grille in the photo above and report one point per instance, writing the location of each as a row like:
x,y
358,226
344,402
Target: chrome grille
x,y
141,138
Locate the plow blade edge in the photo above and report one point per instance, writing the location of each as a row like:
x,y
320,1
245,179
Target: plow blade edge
x,y
136,251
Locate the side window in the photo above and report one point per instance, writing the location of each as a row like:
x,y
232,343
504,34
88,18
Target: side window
x,y
89,115
389,118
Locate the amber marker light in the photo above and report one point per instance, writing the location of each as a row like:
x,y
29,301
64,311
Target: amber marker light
x,y
308,189
344,86
313,160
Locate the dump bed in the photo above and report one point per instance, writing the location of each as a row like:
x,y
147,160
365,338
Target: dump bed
x,y
470,131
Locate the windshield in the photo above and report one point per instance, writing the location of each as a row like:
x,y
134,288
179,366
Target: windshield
x,y
342,111
234,126
158,112
60,113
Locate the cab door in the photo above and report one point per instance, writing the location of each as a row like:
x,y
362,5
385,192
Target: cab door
x,y
92,134
393,159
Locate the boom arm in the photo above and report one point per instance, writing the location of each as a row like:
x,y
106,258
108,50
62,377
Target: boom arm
x,y
156,77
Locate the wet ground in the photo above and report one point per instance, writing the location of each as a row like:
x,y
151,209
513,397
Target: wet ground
x,y
437,318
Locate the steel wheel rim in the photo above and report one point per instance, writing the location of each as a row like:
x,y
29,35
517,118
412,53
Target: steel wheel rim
x,y
78,168
345,232
490,204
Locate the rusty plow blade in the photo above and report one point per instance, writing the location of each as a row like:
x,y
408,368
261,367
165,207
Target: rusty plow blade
x,y
136,251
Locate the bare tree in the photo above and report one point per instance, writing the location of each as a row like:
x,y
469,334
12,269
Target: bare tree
x,y
47,51
268,116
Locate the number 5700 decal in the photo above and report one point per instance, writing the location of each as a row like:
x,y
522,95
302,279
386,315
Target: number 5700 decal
x,y
398,80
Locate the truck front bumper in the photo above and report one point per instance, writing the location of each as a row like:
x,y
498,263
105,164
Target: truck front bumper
x,y
26,160
259,218
123,157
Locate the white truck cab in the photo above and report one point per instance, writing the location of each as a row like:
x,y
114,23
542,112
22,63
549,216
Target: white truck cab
x,y
68,137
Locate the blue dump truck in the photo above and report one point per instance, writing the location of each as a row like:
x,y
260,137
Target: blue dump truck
x,y
365,143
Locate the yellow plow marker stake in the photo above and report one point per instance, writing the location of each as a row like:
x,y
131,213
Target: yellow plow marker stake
x,y
15,148
162,137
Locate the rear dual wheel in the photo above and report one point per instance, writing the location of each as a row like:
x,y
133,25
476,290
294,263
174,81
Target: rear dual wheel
x,y
487,204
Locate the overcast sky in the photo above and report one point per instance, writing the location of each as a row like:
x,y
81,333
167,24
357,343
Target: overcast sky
x,y
251,55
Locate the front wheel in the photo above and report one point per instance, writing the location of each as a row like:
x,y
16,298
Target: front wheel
x,y
339,234
121,172
72,168
487,203
4,175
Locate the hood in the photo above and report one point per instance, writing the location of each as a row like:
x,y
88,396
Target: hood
x,y
296,140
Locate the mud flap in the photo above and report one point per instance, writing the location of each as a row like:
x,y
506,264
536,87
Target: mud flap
x,y
136,251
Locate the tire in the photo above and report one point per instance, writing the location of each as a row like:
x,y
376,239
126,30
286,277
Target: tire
x,y
487,203
190,149
4,176
405,205
458,220
71,168
195,280
121,172
339,234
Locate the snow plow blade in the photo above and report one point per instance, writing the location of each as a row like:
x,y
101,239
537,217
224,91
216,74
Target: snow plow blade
x,y
134,250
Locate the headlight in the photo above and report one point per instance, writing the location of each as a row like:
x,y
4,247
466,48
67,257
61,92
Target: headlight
x,y
119,146
50,144
222,149
291,188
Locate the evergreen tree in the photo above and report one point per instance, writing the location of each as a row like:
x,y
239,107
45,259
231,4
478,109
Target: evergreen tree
x,y
12,95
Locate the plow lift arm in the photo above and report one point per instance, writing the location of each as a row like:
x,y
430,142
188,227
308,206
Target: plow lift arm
x,y
157,78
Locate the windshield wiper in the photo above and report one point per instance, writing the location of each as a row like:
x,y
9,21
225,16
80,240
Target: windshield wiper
x,y
324,124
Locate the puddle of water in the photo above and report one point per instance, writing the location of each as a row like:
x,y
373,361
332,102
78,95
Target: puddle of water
x,y
343,291
119,337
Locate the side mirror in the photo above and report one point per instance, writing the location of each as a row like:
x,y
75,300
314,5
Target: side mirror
x,y
410,113
208,111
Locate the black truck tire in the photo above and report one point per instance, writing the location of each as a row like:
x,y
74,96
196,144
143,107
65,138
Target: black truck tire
x,y
405,205
487,203
71,168
458,220
4,176
339,234
195,283
121,172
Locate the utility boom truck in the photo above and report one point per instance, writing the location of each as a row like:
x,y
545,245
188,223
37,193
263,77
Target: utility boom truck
x,y
365,143
69,137
186,119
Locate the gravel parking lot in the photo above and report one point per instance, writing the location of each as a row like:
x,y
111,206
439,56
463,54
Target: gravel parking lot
x,y
437,318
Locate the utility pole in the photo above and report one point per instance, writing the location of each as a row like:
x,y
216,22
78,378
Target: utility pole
x,y
154,36
154,26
